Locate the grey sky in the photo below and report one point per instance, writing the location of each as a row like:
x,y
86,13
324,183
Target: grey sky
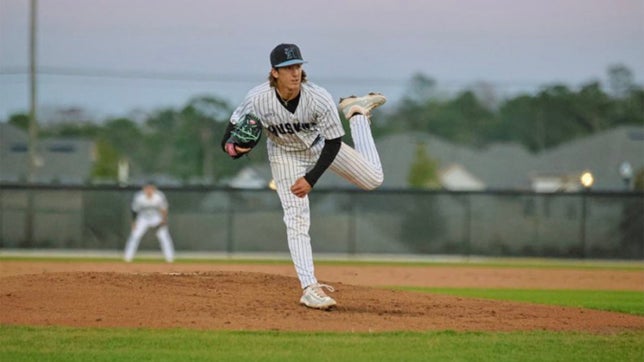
x,y
352,46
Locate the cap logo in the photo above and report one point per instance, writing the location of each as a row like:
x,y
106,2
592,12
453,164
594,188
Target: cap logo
x,y
290,53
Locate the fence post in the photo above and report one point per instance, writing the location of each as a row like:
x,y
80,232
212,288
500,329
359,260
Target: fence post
x,y
2,203
29,220
352,242
230,243
537,218
468,223
582,228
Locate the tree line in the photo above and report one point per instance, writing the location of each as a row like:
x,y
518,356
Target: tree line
x,y
184,142
554,115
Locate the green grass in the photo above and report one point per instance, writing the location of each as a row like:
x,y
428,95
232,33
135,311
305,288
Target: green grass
x,y
79,344
616,301
538,263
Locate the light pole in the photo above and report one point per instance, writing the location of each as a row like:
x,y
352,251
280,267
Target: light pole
x,y
587,180
626,171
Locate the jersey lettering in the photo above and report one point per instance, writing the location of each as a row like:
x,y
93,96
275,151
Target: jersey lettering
x,y
290,128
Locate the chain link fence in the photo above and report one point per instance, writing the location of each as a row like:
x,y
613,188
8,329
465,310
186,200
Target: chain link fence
x,y
567,225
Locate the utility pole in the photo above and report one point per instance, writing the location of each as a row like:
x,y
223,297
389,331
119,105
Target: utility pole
x,y
33,127
33,123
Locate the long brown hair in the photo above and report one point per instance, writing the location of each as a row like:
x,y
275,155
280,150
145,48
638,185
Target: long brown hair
x,y
273,80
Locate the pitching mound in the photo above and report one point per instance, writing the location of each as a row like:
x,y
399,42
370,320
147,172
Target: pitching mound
x,y
258,301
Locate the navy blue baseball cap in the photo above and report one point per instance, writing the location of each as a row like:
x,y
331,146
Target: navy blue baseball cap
x,y
286,54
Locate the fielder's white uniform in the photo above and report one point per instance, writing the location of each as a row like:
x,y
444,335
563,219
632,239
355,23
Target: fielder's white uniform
x,y
149,214
294,144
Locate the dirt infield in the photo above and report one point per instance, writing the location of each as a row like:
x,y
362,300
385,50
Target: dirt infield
x,y
265,297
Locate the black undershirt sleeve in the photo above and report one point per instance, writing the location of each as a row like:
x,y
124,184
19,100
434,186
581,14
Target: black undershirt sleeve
x,y
329,151
229,129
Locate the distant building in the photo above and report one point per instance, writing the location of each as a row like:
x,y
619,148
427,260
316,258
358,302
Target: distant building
x,y
601,153
59,160
509,166
249,178
557,182
456,178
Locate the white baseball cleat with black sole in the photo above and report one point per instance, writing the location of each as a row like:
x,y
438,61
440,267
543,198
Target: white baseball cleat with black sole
x,y
361,105
314,297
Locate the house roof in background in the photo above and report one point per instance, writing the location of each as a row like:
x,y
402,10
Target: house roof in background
x,y
509,165
62,160
601,154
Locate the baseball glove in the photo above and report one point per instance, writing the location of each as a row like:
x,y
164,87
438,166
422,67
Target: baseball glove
x,y
247,132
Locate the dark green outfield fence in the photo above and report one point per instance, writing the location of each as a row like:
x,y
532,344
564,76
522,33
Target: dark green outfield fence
x,y
576,225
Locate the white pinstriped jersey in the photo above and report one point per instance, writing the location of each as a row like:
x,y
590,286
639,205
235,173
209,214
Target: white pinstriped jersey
x,y
149,207
316,115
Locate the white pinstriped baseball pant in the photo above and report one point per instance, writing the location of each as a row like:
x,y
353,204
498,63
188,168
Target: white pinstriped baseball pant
x,y
360,166
140,227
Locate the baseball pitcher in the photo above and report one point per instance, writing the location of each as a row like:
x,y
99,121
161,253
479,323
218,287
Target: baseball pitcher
x,y
304,139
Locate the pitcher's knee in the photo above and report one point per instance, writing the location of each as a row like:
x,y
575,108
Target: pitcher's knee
x,y
373,181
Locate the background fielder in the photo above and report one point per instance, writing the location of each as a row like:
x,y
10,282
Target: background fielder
x,y
150,209
304,139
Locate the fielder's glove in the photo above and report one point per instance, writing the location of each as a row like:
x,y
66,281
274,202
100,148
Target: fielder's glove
x,y
246,133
